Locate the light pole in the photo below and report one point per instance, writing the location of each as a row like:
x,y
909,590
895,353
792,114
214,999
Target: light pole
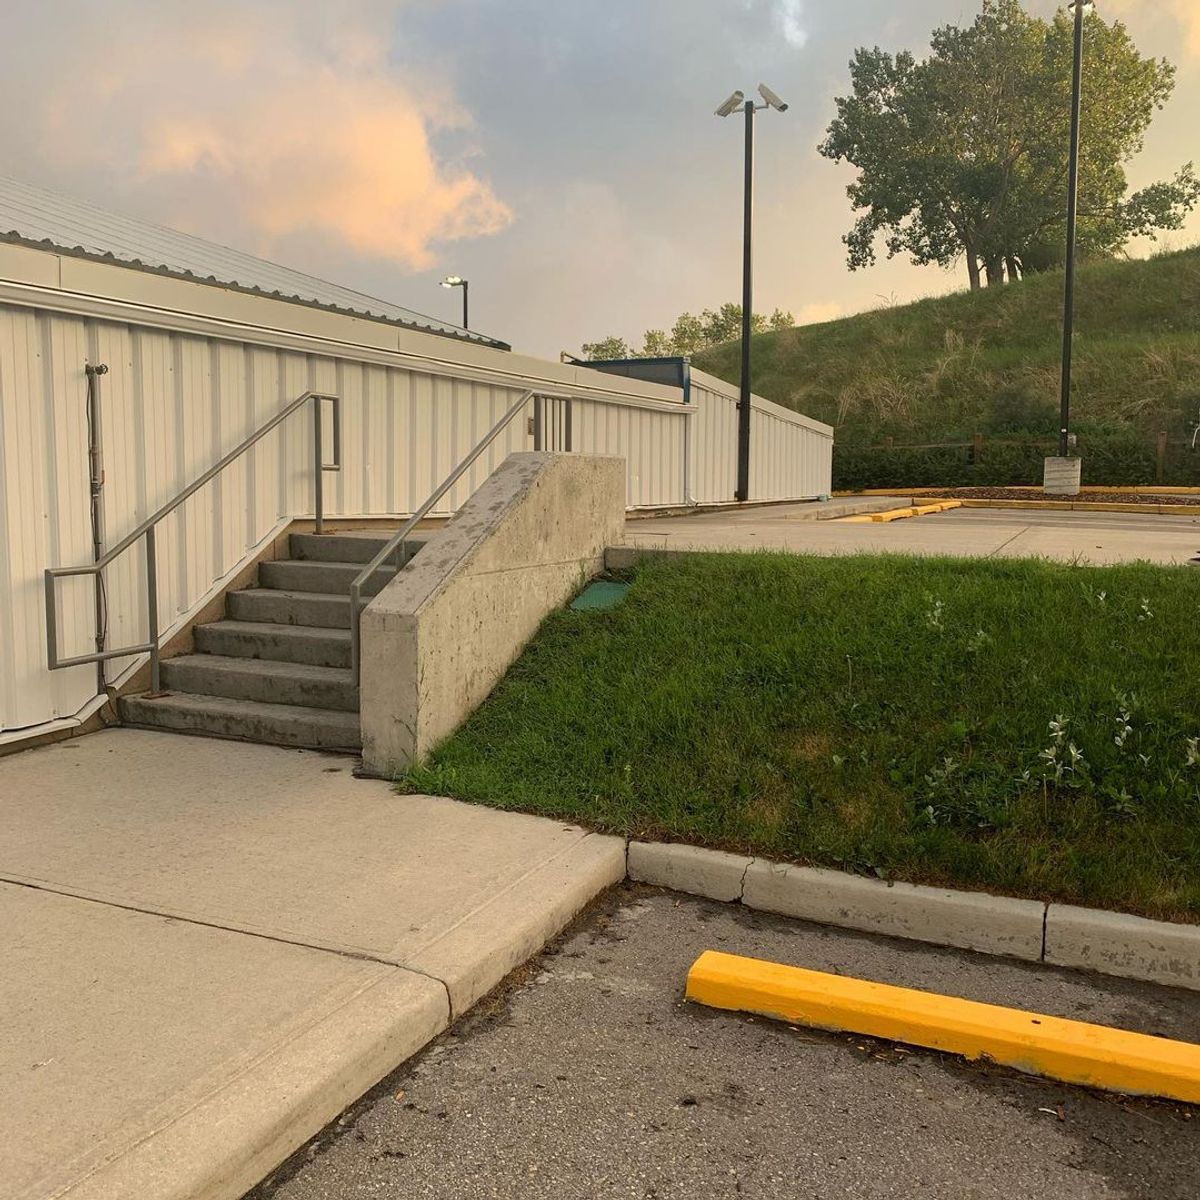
x,y
1080,8
749,107
454,281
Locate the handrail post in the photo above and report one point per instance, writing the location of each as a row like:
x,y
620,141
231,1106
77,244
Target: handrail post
x,y
51,622
152,607
318,468
355,611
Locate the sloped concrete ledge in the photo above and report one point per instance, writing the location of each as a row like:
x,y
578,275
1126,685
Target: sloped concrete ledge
x,y
441,634
1058,934
1120,944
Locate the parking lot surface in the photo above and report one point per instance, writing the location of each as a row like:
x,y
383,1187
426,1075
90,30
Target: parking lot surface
x,y
1096,538
587,1075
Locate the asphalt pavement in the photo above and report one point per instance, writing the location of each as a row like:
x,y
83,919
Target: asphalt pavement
x,y
587,1075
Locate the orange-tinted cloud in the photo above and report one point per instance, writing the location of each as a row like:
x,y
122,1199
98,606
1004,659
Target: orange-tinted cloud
x,y
1186,12
288,118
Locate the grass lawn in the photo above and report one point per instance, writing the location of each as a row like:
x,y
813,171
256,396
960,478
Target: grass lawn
x,y
945,367
1019,726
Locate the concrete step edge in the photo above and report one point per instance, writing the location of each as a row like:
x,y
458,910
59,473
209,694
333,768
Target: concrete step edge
x,y
274,724
277,667
318,633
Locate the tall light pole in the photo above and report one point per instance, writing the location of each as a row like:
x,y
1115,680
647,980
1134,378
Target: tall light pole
x,y
749,107
454,281
1080,8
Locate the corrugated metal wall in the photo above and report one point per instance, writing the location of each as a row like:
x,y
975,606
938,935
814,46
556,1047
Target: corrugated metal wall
x,y
791,456
174,402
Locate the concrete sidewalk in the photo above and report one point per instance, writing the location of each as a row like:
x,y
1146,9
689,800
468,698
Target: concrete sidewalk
x,y
1096,538
211,948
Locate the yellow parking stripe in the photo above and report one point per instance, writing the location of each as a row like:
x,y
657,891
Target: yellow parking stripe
x,y
1072,1051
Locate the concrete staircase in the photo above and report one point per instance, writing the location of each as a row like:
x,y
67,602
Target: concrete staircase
x,y
277,668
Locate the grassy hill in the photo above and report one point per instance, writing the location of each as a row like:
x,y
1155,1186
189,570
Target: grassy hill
x,y
945,369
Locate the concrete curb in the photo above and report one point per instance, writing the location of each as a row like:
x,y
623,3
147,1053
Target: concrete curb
x,y
243,1130
470,960
249,1124
1102,506
1121,944
1060,934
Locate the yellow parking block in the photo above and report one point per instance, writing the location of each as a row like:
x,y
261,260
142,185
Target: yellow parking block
x,y
900,514
1072,1051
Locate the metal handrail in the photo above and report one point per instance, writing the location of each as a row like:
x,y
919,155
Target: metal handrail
x,y
148,527
400,538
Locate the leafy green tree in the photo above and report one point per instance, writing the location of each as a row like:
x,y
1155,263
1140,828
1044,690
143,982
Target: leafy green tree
x,y
963,155
690,334
606,348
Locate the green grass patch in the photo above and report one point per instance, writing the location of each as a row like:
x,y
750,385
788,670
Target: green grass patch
x,y
1019,726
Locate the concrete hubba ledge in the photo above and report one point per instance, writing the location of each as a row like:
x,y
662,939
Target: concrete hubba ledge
x,y
440,636
1059,934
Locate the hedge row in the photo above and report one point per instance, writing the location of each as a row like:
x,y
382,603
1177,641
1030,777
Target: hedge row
x,y
1116,460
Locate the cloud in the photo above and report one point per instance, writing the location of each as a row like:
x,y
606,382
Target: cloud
x,y
788,15
284,118
1186,12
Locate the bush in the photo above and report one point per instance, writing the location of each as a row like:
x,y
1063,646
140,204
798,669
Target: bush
x,y
1110,459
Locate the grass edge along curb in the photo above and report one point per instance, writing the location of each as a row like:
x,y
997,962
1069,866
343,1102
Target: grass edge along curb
x,y
1074,1052
1063,935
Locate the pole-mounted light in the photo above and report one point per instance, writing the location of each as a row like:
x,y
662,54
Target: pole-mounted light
x,y
1079,8
749,107
456,281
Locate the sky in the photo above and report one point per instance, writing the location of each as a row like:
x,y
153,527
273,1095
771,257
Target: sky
x,y
562,155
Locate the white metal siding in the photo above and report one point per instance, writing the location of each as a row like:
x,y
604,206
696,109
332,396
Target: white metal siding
x,y
651,442
791,455
714,441
173,402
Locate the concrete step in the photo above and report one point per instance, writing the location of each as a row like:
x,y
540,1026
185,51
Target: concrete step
x,y
246,720
347,547
260,679
313,645
281,607
296,575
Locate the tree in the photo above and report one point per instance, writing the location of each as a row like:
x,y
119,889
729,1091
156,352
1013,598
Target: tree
x,y
689,334
963,155
606,348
